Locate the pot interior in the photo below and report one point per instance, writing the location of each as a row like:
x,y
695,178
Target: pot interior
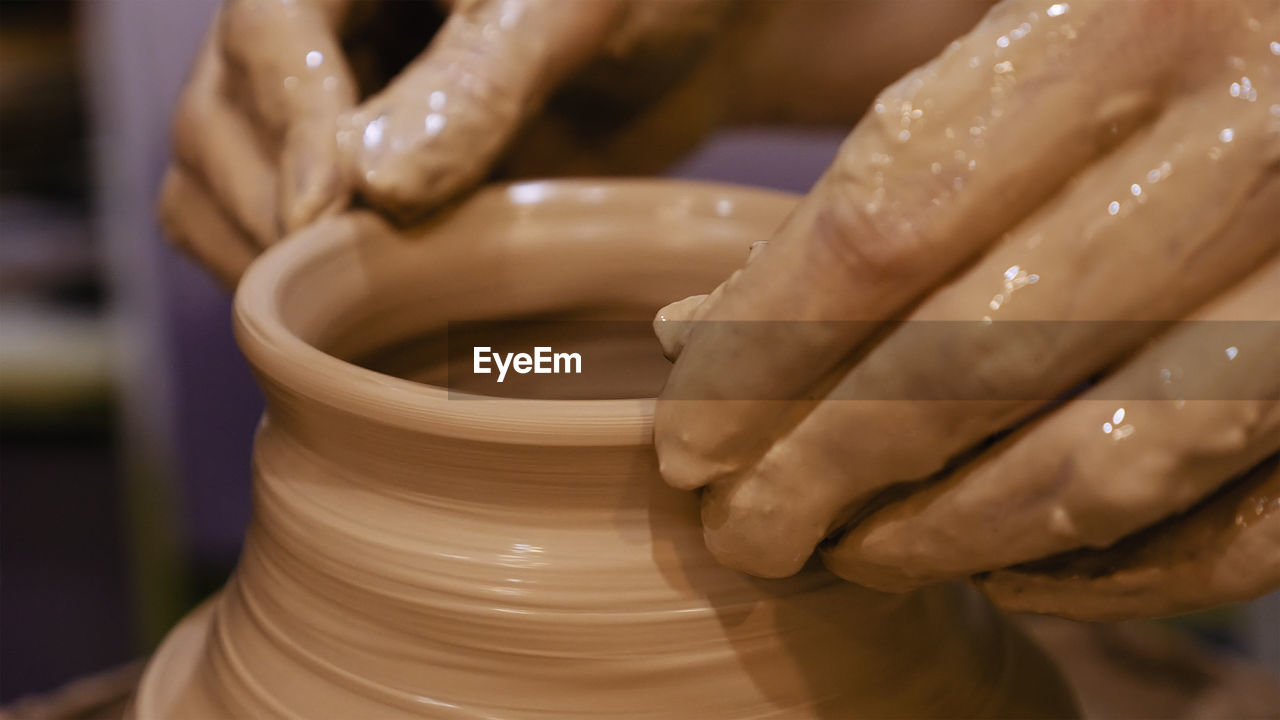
x,y
577,267
620,358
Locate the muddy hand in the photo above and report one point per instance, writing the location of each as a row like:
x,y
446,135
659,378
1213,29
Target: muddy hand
x,y
268,135
441,125
1034,203
267,138
254,133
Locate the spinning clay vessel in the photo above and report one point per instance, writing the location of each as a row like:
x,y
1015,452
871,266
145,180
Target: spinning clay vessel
x,y
421,551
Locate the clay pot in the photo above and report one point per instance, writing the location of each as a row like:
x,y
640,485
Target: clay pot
x,y
419,553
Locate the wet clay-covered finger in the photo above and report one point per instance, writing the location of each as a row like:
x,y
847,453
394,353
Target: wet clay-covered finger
x,y
949,158
439,126
292,67
1055,303
673,322
216,142
193,221
1227,550
1199,405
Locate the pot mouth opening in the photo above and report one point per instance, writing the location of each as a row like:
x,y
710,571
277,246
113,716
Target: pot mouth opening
x,y
388,324
588,354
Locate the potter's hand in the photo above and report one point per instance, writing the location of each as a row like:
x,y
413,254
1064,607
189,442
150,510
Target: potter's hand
x,y
267,138
255,143
1072,164
441,125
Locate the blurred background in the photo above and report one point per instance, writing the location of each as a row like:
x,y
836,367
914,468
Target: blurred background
x,y
126,412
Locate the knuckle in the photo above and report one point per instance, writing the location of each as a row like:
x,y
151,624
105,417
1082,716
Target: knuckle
x,y
748,526
240,25
413,182
405,192
683,458
862,240
870,222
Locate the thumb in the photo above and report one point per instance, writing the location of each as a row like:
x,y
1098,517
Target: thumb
x,y
298,82
439,126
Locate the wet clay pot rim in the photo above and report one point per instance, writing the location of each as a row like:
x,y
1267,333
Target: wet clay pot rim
x,y
673,213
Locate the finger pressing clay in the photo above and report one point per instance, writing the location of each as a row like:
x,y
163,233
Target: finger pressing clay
x,y
674,322
286,56
194,222
1107,464
217,145
438,127
937,170
1227,550
671,324
995,345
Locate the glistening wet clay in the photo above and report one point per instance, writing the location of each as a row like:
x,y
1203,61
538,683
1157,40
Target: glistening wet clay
x,y
417,554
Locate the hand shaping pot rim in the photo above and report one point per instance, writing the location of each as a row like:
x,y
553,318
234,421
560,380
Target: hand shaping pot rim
x,y
278,352
412,550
